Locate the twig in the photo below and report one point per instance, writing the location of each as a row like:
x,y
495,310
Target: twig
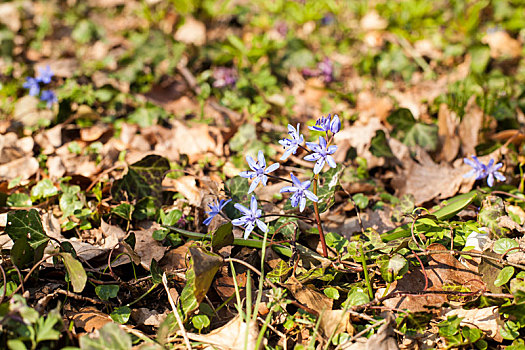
x,y
4,281
244,263
176,312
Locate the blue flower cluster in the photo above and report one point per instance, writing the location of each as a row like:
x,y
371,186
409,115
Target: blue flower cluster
x,y
320,153
33,85
481,171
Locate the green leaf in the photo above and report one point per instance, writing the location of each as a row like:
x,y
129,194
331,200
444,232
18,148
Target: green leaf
x,y
27,224
121,314
450,326
379,146
480,56
331,292
145,208
200,321
504,276
502,245
392,268
19,200
170,218
411,132
143,179
472,334
124,210
44,328
424,135
280,272
237,189
75,271
16,344
222,237
110,337
329,184
286,227
69,201
360,200
43,189
107,291
357,297
156,272
21,253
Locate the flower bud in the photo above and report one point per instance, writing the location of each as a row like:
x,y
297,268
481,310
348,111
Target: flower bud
x,y
335,125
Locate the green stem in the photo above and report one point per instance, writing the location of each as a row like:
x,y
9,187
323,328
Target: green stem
x,y
318,219
143,295
365,272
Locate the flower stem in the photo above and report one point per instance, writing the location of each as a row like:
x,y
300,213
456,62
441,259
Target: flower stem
x,y
288,216
279,178
365,272
318,219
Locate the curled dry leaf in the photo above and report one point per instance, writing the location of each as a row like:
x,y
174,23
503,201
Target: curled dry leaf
x,y
187,186
308,296
502,45
24,168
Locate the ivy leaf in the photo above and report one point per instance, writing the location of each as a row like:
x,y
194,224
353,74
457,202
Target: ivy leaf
x,y
69,201
77,274
411,132
392,268
379,146
329,184
504,276
121,314
237,189
107,291
43,189
143,179
26,224
280,272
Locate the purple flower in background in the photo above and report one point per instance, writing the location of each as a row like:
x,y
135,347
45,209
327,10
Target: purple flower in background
x,y
281,28
250,218
321,154
326,70
49,97
224,76
32,85
259,171
492,172
300,192
45,75
215,208
290,145
481,171
327,19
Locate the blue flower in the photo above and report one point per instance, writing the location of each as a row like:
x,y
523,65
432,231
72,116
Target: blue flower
x,y
49,97
250,218
290,145
481,171
32,85
478,168
321,154
45,75
259,171
322,124
215,208
491,171
300,192
335,124
327,123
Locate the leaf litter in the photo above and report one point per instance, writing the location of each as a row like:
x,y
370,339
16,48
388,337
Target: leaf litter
x,y
109,188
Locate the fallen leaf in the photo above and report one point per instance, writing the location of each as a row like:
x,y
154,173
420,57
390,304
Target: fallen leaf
x,y
231,336
187,186
94,132
373,21
502,44
469,127
147,317
191,32
146,247
427,180
308,296
487,319
89,318
24,168
26,111
443,270
383,340
335,322
447,131
10,16
176,259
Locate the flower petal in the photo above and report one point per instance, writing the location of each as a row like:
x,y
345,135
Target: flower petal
x,y
260,158
262,226
319,165
254,184
253,205
271,168
331,161
242,208
288,189
311,196
312,157
251,163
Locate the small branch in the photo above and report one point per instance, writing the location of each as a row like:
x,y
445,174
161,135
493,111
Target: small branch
x,y
245,264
